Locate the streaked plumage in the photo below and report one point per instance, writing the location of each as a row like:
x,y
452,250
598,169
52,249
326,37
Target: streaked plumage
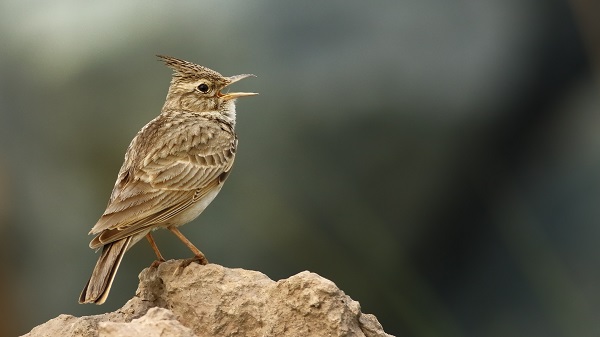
x,y
173,168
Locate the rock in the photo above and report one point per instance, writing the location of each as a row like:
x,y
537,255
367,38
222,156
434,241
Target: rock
x,y
212,300
156,322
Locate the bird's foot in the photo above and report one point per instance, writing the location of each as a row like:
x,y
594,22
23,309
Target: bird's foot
x,y
198,259
156,263
184,263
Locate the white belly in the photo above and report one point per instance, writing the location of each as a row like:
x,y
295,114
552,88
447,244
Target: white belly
x,y
194,210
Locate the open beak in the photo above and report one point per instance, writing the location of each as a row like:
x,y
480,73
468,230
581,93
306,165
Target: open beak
x,y
234,95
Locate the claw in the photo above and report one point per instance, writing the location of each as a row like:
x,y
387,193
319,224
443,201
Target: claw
x,y
156,263
184,263
198,259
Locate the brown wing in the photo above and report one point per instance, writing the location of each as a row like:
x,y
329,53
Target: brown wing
x,y
163,186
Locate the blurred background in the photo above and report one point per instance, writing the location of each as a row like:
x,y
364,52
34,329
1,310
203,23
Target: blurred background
x,y
439,161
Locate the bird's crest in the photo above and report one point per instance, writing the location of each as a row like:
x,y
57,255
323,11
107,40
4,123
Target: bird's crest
x,y
188,70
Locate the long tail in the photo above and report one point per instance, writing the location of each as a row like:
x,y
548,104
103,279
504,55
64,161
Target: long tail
x,y
98,287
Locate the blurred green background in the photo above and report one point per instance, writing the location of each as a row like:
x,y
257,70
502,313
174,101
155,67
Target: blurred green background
x,y
438,160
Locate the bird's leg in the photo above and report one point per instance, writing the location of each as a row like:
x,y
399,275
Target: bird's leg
x,y
198,256
161,259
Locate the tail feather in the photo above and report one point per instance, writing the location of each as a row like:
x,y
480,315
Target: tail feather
x,y
98,287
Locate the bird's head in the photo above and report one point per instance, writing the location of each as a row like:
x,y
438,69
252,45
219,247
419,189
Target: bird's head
x,y
199,89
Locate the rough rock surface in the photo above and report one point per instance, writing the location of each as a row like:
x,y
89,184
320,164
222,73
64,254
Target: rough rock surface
x,y
156,322
212,300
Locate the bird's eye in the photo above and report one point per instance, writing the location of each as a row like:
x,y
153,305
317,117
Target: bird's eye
x,y
203,88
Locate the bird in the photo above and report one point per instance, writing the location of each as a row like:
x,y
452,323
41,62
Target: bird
x,y
173,168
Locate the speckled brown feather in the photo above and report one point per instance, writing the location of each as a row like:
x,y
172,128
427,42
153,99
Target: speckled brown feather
x,y
173,168
182,161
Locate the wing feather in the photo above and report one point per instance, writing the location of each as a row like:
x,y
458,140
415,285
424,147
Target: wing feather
x,y
164,184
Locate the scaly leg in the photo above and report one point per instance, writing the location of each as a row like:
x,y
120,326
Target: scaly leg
x,y
198,256
161,259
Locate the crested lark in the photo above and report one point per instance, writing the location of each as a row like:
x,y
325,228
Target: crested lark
x,y
174,168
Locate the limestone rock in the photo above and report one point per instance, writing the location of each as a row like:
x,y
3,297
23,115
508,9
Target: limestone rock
x,y
156,322
212,300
